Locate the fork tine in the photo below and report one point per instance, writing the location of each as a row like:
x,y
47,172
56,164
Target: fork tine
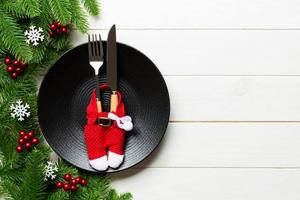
x,y
89,46
93,45
97,46
101,47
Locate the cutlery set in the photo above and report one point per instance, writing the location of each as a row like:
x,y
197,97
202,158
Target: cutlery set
x,y
96,59
105,135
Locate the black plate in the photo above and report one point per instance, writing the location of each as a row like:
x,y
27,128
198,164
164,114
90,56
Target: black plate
x,y
65,93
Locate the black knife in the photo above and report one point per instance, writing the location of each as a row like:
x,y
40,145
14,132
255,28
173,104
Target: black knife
x,y
111,67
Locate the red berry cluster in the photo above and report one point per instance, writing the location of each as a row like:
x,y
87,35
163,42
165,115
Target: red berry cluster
x,y
71,183
14,67
26,140
58,29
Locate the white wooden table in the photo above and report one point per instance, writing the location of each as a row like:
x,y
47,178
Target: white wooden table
x,y
233,72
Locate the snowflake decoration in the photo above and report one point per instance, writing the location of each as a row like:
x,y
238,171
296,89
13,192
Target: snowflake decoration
x,y
34,35
50,170
19,110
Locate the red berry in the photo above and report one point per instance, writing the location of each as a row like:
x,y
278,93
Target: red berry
x,y
58,24
67,177
73,187
30,134
66,186
19,149
14,75
10,69
19,70
21,141
7,60
73,181
23,65
78,179
64,30
26,137
53,27
16,63
22,133
27,145
52,34
35,141
83,182
59,184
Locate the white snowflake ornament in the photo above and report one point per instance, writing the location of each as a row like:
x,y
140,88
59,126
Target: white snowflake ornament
x,y
19,110
34,36
50,170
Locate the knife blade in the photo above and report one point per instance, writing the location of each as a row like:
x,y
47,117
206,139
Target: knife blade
x,y
111,67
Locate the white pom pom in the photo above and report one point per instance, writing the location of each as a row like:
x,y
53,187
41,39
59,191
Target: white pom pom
x,y
128,126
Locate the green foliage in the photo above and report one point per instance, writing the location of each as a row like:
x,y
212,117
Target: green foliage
x,y
31,6
92,7
59,195
11,36
79,18
22,174
22,8
33,185
60,10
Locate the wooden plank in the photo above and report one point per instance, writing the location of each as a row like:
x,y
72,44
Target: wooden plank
x,y
212,184
233,98
191,14
214,145
196,52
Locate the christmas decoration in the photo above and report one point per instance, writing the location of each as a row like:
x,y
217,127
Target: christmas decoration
x,y
57,29
50,170
71,183
20,110
34,35
26,141
99,139
22,174
14,67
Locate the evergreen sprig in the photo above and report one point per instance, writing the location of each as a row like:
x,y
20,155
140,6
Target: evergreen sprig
x,y
22,174
12,37
92,6
61,10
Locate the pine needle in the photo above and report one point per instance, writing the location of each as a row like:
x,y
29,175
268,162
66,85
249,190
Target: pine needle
x,y
79,17
92,6
12,37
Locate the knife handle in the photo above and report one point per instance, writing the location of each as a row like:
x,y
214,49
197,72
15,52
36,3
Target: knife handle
x,y
99,107
113,102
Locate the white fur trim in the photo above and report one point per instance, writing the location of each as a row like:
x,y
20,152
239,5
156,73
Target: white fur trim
x,y
122,122
114,160
99,164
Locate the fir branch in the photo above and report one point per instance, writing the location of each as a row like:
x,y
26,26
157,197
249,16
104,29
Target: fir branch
x,y
61,42
125,196
32,7
8,190
11,36
94,181
59,195
22,8
79,17
92,6
33,185
113,195
38,53
61,10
